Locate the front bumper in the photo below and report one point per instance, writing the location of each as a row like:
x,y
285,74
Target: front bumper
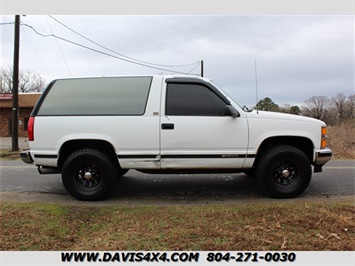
x,y
321,157
26,157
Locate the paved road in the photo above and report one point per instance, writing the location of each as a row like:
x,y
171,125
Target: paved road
x,y
17,178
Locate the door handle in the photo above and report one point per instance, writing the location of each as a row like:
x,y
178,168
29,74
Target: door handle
x,y
167,126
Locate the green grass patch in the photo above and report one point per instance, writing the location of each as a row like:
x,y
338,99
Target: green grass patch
x,y
252,226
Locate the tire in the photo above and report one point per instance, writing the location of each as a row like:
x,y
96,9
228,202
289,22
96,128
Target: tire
x,y
283,172
250,172
88,174
121,172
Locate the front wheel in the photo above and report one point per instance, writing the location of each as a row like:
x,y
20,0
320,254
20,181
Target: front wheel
x,y
283,172
88,174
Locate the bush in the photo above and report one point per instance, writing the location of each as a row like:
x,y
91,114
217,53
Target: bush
x,y
341,139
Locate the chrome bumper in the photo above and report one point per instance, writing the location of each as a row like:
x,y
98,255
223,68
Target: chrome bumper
x,y
26,157
321,157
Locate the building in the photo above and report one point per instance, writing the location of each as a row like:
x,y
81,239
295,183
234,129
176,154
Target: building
x,y
26,102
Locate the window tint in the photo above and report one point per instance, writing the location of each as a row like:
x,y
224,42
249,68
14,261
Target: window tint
x,y
25,123
97,96
193,100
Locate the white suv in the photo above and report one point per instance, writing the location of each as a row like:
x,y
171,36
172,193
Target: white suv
x,y
93,130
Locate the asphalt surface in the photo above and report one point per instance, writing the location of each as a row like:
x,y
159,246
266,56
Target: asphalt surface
x,y
20,181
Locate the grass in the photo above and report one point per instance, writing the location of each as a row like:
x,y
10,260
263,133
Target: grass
x,y
260,226
9,155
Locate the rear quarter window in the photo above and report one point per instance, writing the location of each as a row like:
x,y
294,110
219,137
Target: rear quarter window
x,y
97,96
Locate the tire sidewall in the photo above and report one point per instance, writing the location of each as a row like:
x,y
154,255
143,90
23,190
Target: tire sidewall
x,y
107,173
275,157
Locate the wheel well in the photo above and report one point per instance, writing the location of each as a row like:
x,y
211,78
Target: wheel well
x,y
301,143
70,146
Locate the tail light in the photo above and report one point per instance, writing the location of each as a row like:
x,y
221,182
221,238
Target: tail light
x,y
30,128
323,143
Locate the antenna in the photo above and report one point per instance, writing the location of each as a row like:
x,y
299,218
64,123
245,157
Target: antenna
x,y
256,88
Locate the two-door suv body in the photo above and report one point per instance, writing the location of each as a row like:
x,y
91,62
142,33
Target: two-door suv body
x,y
93,130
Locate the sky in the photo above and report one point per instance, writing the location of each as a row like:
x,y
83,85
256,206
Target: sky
x,y
293,57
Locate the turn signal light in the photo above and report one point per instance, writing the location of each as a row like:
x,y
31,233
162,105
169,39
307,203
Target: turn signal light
x,y
324,137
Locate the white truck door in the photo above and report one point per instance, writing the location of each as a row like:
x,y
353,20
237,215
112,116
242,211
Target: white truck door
x,y
195,132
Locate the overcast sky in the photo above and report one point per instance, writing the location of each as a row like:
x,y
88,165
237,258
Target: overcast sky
x,y
297,56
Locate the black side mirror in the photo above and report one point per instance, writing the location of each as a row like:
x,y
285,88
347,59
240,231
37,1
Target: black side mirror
x,y
231,111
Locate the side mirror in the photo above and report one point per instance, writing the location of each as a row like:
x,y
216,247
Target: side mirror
x,y
230,111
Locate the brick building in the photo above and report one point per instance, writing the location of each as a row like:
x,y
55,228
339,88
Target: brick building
x,y
26,102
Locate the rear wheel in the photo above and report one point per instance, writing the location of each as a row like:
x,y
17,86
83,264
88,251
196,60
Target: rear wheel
x,y
283,172
249,172
88,174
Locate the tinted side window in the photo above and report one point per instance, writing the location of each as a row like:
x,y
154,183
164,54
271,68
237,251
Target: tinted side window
x,y
97,96
193,100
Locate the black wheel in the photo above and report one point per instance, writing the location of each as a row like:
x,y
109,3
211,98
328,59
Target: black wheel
x,y
283,172
89,174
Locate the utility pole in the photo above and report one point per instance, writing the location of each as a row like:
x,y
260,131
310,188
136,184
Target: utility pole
x,y
201,68
15,85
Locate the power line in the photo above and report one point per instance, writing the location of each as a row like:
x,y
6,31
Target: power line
x,y
7,23
100,52
131,58
34,50
61,52
193,69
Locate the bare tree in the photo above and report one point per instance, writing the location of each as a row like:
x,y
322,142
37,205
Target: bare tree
x,y
318,107
5,80
350,106
28,81
339,103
